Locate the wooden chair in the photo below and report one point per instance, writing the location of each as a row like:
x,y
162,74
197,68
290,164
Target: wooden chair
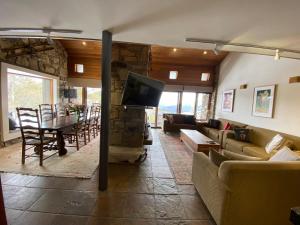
x,y
46,112
60,110
93,122
33,135
78,131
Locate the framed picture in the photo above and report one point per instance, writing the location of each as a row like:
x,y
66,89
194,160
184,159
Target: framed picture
x,y
228,100
263,101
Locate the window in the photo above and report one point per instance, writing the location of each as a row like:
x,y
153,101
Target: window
x,y
93,96
205,76
168,104
202,106
22,87
188,103
78,99
151,116
79,68
173,75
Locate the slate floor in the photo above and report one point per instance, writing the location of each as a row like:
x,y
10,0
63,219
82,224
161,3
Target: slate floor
x,y
138,195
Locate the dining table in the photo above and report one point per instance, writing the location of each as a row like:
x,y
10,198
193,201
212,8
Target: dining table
x,y
59,125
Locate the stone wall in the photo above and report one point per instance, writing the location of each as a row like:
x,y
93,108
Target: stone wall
x,y
126,125
35,54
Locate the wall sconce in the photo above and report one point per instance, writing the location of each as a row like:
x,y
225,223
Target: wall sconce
x,y
243,86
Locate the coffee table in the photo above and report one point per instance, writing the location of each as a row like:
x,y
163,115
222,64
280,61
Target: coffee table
x,y
197,141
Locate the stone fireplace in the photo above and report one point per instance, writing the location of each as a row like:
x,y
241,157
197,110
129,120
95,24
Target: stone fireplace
x,y
127,125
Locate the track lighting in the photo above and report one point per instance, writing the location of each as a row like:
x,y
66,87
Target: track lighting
x,y
277,55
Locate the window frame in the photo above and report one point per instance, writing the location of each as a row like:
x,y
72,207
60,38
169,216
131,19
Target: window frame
x,y
6,135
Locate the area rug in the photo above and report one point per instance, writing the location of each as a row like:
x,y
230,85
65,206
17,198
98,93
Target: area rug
x,y
79,164
180,158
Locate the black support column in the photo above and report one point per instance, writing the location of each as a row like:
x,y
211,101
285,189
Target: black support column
x,y
105,108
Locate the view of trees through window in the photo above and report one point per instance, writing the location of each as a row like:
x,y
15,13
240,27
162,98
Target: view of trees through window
x,y
25,91
93,95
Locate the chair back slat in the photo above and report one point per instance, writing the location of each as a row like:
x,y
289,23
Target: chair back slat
x,y
46,112
60,110
29,121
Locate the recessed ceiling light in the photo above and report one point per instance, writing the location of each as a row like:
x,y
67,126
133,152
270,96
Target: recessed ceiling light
x,y
174,49
205,52
84,43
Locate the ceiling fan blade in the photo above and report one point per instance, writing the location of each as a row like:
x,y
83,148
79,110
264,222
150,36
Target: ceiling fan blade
x,y
43,30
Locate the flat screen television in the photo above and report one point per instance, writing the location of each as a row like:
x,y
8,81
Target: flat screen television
x,y
70,93
142,91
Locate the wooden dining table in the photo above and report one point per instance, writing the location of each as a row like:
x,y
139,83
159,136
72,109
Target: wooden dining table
x,y
59,125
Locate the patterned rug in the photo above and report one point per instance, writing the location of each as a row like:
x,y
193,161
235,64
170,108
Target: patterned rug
x,y
80,164
180,158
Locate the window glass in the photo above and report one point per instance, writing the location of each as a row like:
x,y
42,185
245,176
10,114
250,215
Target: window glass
x,y
168,104
78,99
93,96
188,103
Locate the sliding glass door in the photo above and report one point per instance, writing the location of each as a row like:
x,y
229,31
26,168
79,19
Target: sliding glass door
x,y
188,103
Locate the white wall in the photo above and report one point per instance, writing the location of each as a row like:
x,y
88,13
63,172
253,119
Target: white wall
x,y
258,70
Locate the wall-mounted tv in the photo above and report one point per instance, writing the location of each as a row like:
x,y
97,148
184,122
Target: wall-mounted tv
x,y
70,93
142,91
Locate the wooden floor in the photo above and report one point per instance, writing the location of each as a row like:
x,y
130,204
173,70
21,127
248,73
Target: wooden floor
x,y
137,195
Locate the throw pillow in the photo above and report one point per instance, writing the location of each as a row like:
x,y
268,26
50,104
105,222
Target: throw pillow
x,y
274,144
236,156
170,119
212,123
285,154
227,126
190,120
242,134
216,157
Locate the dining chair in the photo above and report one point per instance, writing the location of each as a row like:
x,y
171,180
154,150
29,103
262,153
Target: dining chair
x,y
33,136
60,110
93,122
77,131
46,112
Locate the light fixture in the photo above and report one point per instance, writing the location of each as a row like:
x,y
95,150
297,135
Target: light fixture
x,y
243,86
277,55
295,79
216,49
205,76
173,75
205,52
174,49
79,68
84,43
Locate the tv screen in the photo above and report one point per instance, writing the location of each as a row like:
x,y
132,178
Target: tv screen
x,y
70,93
142,91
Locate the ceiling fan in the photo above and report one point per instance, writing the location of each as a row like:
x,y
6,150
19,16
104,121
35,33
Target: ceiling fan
x,y
45,30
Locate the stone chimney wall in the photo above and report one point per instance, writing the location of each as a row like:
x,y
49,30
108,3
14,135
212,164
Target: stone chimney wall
x,y
127,125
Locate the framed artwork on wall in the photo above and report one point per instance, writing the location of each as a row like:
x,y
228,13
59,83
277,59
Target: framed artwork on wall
x,y
228,100
263,101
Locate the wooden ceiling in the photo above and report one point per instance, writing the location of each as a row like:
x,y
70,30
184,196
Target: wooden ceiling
x,y
185,56
91,49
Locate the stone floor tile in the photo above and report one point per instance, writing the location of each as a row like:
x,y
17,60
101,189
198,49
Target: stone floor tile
x,y
66,202
106,221
23,198
163,172
169,207
164,186
12,215
19,180
38,218
188,189
194,207
183,222
6,176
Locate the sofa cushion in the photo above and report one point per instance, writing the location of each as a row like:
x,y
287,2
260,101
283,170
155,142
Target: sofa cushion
x,y
205,130
285,154
216,157
214,123
257,151
188,119
235,146
237,156
242,134
178,119
170,119
184,126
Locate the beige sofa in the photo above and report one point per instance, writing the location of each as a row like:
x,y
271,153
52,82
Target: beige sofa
x,y
247,192
217,134
259,138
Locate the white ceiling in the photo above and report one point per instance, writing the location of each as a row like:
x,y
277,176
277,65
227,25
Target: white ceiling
x,y
165,22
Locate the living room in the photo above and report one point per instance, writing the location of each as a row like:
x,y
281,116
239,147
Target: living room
x,y
217,142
